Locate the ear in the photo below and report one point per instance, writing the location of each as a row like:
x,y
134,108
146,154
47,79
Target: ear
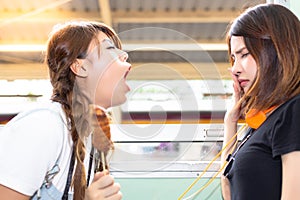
x,y
79,69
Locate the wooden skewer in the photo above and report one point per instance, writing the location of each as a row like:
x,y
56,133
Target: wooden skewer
x,y
103,160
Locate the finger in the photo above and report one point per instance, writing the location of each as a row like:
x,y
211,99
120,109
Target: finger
x,y
99,175
104,182
233,76
236,90
116,196
235,80
111,190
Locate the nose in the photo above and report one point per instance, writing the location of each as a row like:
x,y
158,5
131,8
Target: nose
x,y
236,68
123,56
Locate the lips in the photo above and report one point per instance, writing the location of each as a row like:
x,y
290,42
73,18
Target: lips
x,y
243,82
125,76
127,72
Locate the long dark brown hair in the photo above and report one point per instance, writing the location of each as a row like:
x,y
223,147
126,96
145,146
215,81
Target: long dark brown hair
x,y
271,34
68,42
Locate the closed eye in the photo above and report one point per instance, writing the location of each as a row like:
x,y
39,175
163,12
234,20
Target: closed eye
x,y
108,44
111,47
245,55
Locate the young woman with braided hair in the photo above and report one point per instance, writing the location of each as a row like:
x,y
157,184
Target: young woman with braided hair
x,y
45,151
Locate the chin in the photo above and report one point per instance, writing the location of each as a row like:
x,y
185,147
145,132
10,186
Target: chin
x,y
245,89
119,102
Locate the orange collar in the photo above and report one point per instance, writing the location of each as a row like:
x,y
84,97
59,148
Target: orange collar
x,y
255,118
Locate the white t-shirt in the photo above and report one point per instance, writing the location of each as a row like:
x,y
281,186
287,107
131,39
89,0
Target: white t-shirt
x,y
30,145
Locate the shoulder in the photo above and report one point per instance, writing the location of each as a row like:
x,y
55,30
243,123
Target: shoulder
x,y
47,114
289,111
42,127
35,138
49,108
293,102
285,127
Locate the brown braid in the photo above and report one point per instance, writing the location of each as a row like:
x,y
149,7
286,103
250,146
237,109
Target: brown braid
x,y
63,49
61,54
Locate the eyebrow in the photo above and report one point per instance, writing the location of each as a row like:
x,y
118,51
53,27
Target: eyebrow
x,y
239,51
107,40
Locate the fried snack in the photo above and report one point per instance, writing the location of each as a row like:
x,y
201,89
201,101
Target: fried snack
x,y
101,137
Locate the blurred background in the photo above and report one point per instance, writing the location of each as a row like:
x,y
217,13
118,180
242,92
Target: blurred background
x,y
167,40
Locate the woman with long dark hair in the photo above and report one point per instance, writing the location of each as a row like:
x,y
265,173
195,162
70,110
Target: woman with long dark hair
x,y
264,50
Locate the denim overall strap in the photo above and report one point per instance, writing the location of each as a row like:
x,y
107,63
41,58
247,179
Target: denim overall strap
x,y
47,190
90,166
70,174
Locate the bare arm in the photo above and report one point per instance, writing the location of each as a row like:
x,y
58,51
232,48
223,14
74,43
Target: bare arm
x,y
230,128
9,194
290,176
102,188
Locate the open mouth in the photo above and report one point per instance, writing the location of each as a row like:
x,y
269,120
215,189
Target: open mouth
x,y
127,72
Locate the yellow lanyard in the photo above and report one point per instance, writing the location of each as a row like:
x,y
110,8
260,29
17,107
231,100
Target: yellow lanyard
x,y
208,166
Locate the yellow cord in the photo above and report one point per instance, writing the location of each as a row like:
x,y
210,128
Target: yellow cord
x,y
206,184
213,178
208,166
